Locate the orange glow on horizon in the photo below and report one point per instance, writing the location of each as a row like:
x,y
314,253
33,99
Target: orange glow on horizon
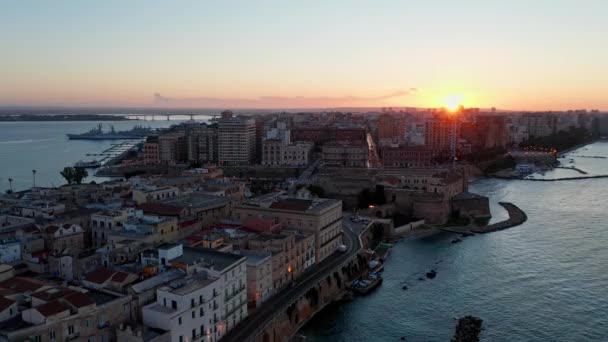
x,y
453,102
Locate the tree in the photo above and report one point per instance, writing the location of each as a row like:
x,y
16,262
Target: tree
x,y
80,174
68,174
74,174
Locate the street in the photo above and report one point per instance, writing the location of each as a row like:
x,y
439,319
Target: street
x,y
251,325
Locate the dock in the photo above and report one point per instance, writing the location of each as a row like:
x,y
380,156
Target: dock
x,y
116,151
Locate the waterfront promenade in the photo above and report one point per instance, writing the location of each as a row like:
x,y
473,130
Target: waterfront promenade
x,y
254,324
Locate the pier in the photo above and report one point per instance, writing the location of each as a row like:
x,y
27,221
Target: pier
x,y
516,217
110,155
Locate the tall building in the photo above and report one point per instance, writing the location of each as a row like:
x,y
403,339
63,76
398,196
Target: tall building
x,y
236,139
441,132
151,150
172,147
202,143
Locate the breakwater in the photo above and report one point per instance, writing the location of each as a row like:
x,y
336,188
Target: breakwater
x,y
516,217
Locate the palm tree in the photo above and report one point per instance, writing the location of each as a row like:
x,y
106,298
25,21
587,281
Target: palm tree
x,y
34,174
10,184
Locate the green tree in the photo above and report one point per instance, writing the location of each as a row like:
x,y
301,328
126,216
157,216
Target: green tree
x,y
68,174
74,175
79,175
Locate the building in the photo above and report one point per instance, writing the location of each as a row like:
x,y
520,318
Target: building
x,y
275,152
259,276
219,295
202,142
349,154
407,156
62,314
189,308
322,217
64,239
172,147
441,132
10,251
105,222
151,150
236,139
154,194
486,132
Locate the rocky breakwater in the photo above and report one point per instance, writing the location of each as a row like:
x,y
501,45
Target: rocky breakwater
x,y
516,217
467,329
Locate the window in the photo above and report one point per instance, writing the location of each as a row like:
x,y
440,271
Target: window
x,y
91,339
193,334
37,338
70,329
52,335
179,321
125,307
173,304
193,313
201,312
164,301
181,338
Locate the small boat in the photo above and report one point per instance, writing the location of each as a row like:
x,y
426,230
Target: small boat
x,y
89,164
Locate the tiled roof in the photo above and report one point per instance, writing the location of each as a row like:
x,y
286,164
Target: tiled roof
x,y
52,293
119,277
51,308
51,229
99,276
5,303
21,284
79,299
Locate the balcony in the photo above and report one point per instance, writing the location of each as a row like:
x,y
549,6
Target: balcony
x,y
234,294
72,336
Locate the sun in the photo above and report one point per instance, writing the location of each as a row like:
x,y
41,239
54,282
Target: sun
x,y
452,102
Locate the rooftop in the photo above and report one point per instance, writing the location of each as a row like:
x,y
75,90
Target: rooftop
x,y
208,258
189,284
158,280
197,200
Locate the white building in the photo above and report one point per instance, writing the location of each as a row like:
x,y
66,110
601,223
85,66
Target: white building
x,y
10,251
190,308
150,194
210,271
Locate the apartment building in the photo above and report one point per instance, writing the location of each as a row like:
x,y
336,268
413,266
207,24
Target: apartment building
x,y
349,154
154,194
237,140
322,217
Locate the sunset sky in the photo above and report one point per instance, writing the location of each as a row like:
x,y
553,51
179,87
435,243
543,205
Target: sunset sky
x,y
536,55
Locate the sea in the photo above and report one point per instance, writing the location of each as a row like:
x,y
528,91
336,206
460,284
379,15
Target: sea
x,y
44,147
545,280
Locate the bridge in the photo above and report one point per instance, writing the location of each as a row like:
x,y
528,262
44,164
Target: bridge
x,y
280,317
151,117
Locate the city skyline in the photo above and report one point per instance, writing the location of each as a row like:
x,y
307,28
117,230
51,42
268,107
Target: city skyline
x,y
512,56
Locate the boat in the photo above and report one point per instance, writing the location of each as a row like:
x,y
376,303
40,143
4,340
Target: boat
x,y
97,133
89,164
363,287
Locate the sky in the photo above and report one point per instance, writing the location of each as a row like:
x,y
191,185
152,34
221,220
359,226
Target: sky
x,y
518,55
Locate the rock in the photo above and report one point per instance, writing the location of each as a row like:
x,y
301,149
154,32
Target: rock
x,y
421,278
468,329
431,274
404,287
456,241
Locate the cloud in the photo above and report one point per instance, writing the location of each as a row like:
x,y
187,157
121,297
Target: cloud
x,y
283,102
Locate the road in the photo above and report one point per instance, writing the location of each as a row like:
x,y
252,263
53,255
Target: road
x,y
304,176
277,304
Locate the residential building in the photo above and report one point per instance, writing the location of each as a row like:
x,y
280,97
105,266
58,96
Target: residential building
x,y
149,194
236,139
259,276
61,314
189,308
407,156
10,251
151,150
321,216
64,239
349,154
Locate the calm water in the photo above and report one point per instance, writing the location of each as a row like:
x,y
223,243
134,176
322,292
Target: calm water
x,y
44,147
546,280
